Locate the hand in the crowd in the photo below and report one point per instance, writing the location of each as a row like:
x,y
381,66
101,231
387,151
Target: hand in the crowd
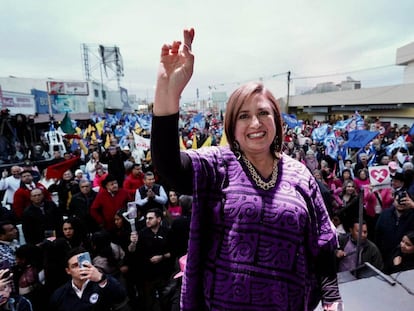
x,y
336,306
397,260
340,253
124,269
150,193
156,259
5,277
89,271
175,70
407,201
4,174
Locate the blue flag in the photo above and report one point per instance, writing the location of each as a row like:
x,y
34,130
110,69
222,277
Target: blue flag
x,y
342,124
360,138
331,145
290,120
411,131
320,133
399,143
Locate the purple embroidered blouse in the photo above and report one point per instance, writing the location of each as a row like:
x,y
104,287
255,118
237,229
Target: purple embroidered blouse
x,y
253,249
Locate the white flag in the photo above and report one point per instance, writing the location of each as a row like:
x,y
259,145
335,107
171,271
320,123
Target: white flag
x,y
141,142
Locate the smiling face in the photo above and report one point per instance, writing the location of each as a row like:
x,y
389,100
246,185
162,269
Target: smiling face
x,y
254,113
255,126
349,187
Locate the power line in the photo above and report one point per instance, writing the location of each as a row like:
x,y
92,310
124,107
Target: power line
x,y
342,73
303,77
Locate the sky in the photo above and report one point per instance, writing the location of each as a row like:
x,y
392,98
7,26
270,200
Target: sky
x,y
235,41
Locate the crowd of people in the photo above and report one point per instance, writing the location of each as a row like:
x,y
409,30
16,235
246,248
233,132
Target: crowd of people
x,y
46,223
269,209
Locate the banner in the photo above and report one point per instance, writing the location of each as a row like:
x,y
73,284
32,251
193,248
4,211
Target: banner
x,y
124,100
67,88
42,102
18,103
141,142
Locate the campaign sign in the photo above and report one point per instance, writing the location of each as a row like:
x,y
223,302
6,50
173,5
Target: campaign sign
x,y
379,175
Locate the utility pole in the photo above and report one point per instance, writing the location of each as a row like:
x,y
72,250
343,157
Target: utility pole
x,y
288,90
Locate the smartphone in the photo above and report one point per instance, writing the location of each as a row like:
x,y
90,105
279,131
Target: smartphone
x,y
84,257
401,195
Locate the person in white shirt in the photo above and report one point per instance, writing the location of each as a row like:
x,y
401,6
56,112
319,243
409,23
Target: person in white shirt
x,y
150,195
10,184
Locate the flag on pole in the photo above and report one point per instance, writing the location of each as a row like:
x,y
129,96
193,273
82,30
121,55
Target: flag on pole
x,y
223,140
194,145
87,131
360,138
99,127
66,124
107,141
208,141
57,170
411,131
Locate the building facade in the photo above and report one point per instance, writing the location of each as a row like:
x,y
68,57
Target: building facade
x,y
391,103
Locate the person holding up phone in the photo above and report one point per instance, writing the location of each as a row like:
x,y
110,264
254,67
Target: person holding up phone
x,y
88,289
394,222
8,300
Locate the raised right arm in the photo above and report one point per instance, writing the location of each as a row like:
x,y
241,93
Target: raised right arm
x,y
175,71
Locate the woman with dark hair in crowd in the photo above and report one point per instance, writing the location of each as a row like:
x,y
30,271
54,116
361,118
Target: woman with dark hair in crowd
x,y
173,206
361,179
121,233
346,175
350,205
403,255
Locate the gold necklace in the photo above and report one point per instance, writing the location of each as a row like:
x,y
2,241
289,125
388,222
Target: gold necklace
x,y
258,179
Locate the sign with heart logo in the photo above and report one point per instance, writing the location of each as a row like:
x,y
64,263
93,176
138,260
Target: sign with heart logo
x,y
379,175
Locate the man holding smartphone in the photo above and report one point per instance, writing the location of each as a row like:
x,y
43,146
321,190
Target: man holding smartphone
x,y
88,289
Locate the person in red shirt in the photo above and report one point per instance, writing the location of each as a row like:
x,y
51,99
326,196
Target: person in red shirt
x,y
108,201
134,180
21,198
